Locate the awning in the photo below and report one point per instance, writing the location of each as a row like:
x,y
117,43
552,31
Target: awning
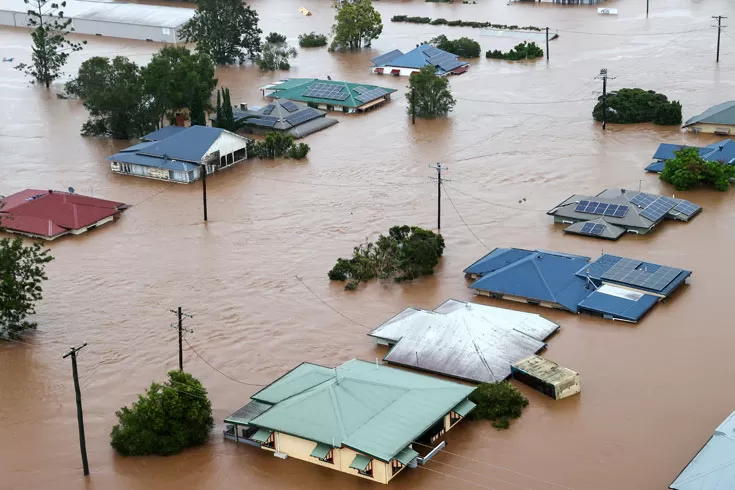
x,y
361,462
262,435
464,407
321,451
395,72
406,456
379,70
371,104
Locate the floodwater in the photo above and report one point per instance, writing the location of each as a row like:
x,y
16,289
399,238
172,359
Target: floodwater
x,y
520,140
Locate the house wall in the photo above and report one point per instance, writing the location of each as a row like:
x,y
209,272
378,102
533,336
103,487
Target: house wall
x,y
568,388
178,176
723,129
227,143
518,299
405,72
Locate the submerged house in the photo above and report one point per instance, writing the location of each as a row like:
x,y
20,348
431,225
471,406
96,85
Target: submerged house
x,y
397,63
611,287
49,214
723,151
284,116
713,468
719,119
178,154
467,341
359,418
614,212
329,95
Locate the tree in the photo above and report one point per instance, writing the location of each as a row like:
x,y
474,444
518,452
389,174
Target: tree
x,y
522,51
51,48
358,23
170,417
225,116
312,40
178,79
429,94
277,144
498,402
22,273
688,169
464,46
275,54
115,96
407,252
226,30
635,105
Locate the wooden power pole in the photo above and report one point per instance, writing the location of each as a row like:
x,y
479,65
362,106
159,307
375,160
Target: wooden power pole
x,y
80,418
719,33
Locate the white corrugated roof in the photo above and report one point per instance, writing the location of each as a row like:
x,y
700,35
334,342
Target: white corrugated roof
x,y
122,13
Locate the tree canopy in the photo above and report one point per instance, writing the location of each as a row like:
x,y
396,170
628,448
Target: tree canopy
x,y
498,402
51,48
312,40
22,273
357,25
275,54
688,169
429,94
635,105
464,46
277,144
407,252
168,418
226,30
522,51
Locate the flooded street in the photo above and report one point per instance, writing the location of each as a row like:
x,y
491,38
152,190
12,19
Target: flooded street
x,y
651,394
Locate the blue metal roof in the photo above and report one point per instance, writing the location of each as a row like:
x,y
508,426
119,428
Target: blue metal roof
x,y
146,161
420,57
163,133
656,167
385,58
616,307
666,151
139,146
189,145
498,258
595,270
722,151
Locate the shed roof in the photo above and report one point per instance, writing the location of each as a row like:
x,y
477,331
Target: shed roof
x,y
714,465
722,151
545,369
723,113
357,94
464,340
419,57
375,410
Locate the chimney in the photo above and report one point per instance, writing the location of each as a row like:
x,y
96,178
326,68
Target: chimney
x,y
243,106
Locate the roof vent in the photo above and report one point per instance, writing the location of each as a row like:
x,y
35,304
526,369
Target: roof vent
x,y
243,106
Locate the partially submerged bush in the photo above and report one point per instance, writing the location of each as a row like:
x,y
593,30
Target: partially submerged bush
x,y
463,47
688,169
635,105
277,145
498,402
312,40
464,23
522,51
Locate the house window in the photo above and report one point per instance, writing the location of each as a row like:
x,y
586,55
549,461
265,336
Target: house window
x,y
271,441
125,168
454,417
329,458
395,466
368,471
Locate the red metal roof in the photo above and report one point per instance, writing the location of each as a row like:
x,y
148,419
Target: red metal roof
x,y
52,213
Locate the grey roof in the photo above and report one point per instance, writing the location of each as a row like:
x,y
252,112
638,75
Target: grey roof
x,y
274,116
633,219
610,231
464,340
720,114
713,468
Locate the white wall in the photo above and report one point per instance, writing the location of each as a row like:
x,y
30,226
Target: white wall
x,y
227,143
405,72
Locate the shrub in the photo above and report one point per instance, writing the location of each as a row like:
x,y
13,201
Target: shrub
x,y
312,40
634,105
275,53
521,51
275,38
464,46
298,151
438,22
277,144
498,402
462,23
688,169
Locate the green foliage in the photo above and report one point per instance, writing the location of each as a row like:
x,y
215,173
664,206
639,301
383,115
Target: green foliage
x,y
429,94
51,48
298,151
22,272
498,402
407,252
312,40
688,169
170,417
357,24
275,54
226,30
464,46
277,144
635,105
522,51
463,23
225,118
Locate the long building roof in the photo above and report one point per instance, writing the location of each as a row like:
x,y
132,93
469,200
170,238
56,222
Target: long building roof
x,y
464,340
331,92
375,410
419,57
723,113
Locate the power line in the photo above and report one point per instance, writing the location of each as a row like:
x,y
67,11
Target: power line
x,y
457,478
328,305
631,35
493,203
481,474
525,103
321,184
223,374
463,221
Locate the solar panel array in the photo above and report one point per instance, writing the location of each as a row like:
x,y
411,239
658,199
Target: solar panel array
x,y
290,106
264,121
326,91
301,117
371,94
632,272
593,229
642,199
268,109
603,208
658,208
687,208
360,89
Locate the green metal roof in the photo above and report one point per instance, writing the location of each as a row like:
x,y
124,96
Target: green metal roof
x,y
376,410
262,435
406,456
294,88
321,450
464,407
360,463
247,413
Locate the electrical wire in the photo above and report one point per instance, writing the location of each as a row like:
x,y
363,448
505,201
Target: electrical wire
x,y
480,474
632,35
462,219
223,374
493,203
320,184
526,103
457,478
8,339
328,305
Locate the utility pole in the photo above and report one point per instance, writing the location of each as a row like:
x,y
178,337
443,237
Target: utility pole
x,y
604,77
204,189
646,9
547,44
719,32
439,182
180,314
80,418
413,104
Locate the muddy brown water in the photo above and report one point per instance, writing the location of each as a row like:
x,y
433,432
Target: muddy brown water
x,y
652,394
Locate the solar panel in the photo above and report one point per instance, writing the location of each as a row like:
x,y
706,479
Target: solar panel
x,y
658,208
326,91
360,89
268,109
290,106
616,210
595,229
637,273
596,207
687,208
264,121
371,94
642,200
303,116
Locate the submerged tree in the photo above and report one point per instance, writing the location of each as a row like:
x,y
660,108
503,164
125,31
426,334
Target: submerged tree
x,y
635,105
276,53
22,273
277,144
429,94
688,169
51,48
225,116
358,23
226,30
498,402
170,417
464,46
